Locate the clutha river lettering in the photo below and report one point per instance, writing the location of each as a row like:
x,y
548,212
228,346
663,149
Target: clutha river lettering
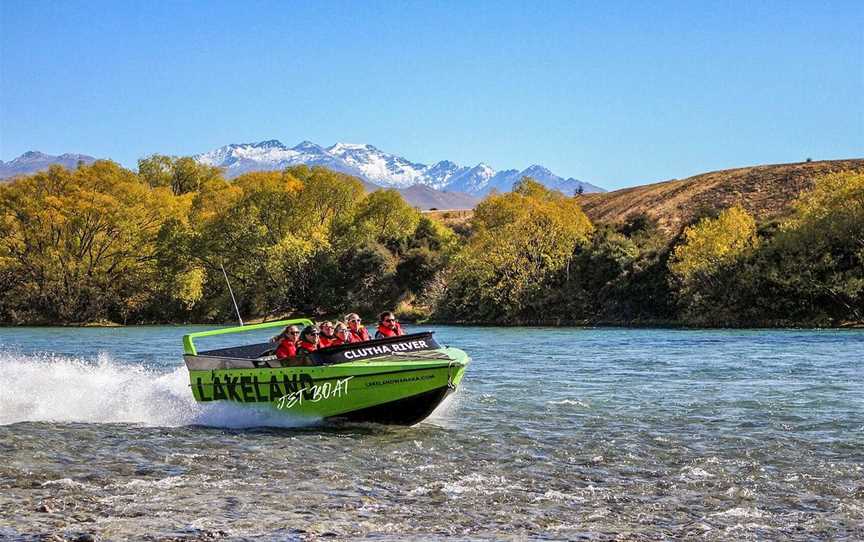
x,y
554,434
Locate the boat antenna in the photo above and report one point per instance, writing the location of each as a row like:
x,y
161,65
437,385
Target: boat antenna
x,y
231,291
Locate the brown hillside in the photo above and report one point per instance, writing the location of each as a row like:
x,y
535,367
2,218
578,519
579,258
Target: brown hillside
x,y
765,191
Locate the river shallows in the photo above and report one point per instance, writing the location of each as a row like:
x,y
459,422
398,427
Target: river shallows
x,y
556,434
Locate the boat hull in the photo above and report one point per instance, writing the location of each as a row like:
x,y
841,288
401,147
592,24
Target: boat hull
x,y
386,390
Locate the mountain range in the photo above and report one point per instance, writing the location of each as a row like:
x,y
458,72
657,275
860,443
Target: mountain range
x,y
381,168
32,161
443,185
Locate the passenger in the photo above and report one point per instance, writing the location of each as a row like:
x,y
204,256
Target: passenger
x,y
388,326
287,347
343,335
308,340
358,332
327,336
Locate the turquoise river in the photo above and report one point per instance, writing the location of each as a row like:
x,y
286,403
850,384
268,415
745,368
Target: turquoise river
x,y
555,434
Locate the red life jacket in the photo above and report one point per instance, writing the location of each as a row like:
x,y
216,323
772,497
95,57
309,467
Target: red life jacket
x,y
324,341
306,346
384,331
360,335
286,349
338,340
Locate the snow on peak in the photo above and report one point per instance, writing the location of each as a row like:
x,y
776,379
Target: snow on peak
x,y
350,147
374,165
31,155
307,146
537,169
377,166
270,144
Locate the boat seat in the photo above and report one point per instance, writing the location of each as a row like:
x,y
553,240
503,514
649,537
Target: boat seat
x,y
249,351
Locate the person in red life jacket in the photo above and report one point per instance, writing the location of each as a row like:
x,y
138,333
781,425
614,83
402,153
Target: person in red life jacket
x,y
309,339
287,343
388,326
343,335
358,332
326,339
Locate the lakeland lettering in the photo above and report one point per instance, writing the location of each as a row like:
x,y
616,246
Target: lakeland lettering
x,y
251,389
385,349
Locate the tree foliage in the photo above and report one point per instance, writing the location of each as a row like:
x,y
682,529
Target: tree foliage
x,y
105,243
714,242
82,245
182,175
520,240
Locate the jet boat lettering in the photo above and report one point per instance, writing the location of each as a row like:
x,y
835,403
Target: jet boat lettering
x,y
385,349
319,392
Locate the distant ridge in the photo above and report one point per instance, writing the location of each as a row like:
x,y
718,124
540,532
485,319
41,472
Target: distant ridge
x,y
427,198
765,191
34,161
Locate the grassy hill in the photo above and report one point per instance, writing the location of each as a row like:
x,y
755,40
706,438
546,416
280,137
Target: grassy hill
x,y
765,191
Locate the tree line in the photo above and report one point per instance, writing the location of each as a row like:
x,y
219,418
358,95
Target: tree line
x,y
102,243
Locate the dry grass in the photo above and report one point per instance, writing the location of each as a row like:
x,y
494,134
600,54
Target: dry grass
x,y
453,218
765,191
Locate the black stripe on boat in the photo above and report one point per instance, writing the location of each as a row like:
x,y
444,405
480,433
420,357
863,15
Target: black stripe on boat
x,y
407,411
260,356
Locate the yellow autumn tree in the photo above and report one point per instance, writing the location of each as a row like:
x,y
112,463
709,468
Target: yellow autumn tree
x,y
82,245
821,247
834,207
520,239
713,242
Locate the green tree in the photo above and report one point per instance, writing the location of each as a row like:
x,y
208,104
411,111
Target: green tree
x,y
182,175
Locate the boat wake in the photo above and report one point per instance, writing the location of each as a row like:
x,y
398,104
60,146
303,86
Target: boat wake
x,y
50,388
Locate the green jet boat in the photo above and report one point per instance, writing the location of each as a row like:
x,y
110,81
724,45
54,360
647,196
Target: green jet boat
x,y
397,380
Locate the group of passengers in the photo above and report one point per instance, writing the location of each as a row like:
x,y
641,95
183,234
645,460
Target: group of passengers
x,y
293,342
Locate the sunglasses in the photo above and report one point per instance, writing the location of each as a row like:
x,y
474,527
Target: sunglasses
x,y
354,321
389,319
293,333
314,333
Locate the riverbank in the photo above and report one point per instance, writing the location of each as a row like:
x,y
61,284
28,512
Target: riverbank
x,y
530,256
557,323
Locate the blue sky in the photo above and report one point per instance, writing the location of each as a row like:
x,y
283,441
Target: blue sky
x,y
613,93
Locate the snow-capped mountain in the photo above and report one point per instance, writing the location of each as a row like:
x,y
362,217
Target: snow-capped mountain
x,y
474,180
32,161
381,168
270,155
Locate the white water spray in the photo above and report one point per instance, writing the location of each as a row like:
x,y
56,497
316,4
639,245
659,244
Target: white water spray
x,y
49,388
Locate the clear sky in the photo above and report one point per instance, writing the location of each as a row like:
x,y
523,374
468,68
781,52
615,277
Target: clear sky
x,y
613,93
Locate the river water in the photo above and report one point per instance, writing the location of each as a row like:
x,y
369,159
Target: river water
x,y
597,434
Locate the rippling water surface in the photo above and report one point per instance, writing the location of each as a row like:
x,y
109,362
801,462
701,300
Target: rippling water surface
x,y
598,434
